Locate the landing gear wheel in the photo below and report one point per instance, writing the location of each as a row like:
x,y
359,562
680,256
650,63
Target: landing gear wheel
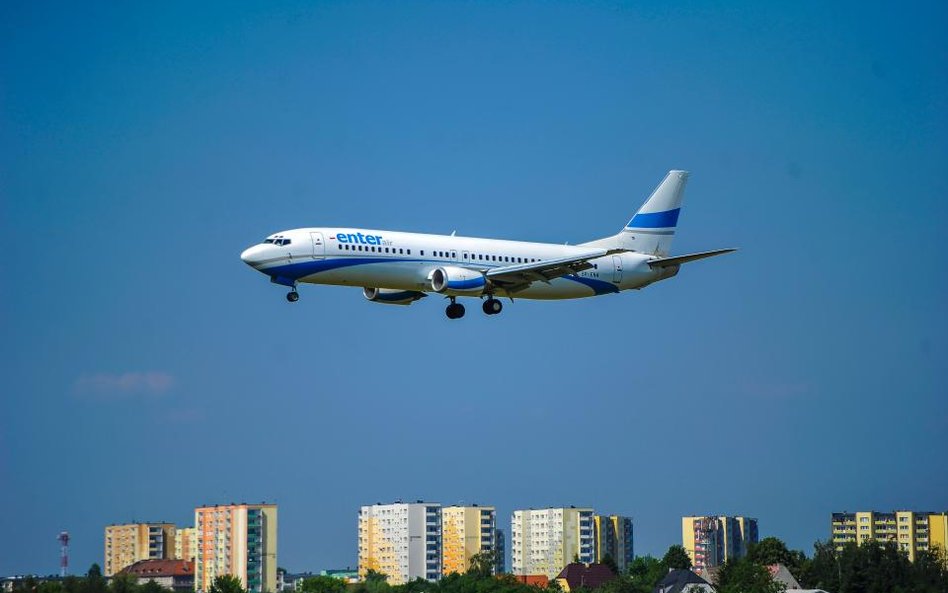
x,y
492,306
292,296
455,311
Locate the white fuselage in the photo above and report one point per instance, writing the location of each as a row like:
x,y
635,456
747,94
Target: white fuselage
x,y
406,261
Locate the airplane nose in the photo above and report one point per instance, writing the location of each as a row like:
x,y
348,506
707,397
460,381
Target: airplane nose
x,y
251,256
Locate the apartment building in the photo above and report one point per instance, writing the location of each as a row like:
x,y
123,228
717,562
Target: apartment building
x,y
401,540
238,540
613,535
544,541
128,543
713,540
913,531
466,531
185,543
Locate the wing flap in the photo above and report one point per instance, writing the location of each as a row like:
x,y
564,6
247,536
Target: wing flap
x,y
520,276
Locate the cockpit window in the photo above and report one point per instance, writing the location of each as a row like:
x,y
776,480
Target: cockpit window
x,y
284,241
268,241
277,241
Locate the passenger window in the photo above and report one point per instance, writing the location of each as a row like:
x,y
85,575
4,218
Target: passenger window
x,y
422,251
409,252
454,255
401,250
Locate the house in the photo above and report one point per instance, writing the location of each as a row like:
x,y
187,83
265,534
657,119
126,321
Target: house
x,y
577,575
682,581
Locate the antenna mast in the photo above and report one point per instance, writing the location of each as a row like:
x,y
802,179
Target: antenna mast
x,y
64,553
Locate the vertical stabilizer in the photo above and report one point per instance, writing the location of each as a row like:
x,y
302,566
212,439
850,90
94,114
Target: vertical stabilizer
x,y
652,228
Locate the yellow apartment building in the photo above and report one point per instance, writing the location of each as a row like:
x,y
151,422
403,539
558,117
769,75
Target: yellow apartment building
x,y
912,531
185,543
127,544
466,531
713,540
238,540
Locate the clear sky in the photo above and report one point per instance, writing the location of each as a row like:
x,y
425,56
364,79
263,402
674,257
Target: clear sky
x,y
146,369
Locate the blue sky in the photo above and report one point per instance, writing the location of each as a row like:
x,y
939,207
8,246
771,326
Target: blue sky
x,y
146,369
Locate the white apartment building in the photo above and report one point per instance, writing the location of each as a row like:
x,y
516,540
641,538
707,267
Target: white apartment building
x,y
543,541
401,540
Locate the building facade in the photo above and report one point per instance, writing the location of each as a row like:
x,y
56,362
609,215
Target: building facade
x,y
613,535
185,543
401,540
466,531
238,540
912,531
501,540
544,541
129,543
713,540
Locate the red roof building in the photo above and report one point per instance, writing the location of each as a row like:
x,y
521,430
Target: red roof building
x,y
173,574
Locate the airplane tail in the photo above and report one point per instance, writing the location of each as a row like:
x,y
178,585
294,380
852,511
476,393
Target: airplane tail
x,y
652,228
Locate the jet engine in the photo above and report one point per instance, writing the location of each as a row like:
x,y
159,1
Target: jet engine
x,y
389,296
452,280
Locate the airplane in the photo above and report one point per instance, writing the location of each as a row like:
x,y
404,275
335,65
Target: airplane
x,y
398,268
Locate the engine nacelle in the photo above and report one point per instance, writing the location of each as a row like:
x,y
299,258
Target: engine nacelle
x,y
388,296
452,280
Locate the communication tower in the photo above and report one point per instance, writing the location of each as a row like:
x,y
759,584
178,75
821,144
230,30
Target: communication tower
x,y
64,553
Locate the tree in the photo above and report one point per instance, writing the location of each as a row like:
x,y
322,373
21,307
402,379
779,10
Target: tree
x,y
152,587
94,581
482,564
745,576
123,583
609,561
374,576
645,572
676,557
823,570
771,550
50,587
373,582
227,583
323,584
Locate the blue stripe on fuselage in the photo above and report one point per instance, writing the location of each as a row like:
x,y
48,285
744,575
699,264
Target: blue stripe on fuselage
x,y
301,269
598,286
465,284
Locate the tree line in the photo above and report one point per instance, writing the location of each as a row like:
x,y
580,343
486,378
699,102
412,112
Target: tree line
x,y
872,567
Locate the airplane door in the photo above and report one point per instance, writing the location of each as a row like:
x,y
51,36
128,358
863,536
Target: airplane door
x,y
617,272
319,250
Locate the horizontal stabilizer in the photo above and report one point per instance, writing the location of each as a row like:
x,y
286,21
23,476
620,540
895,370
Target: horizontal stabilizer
x,y
682,259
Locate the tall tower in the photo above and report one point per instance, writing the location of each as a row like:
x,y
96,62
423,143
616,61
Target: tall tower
x,y
64,553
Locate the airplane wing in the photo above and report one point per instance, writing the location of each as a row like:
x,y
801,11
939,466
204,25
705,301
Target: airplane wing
x,y
681,259
520,276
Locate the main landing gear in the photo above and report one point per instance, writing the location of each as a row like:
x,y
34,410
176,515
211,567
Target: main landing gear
x,y
454,310
293,296
492,306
